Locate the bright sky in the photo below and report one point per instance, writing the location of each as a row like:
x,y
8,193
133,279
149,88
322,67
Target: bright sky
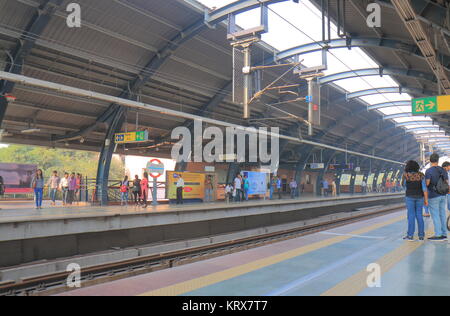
x,y
284,33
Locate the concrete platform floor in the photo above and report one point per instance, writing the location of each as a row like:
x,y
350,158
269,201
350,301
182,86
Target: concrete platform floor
x,y
331,263
16,211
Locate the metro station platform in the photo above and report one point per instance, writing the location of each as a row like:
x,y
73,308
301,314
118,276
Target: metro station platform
x,y
328,263
28,235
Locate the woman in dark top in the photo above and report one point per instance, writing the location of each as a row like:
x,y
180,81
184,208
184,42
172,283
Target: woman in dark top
x,y
136,189
2,187
416,198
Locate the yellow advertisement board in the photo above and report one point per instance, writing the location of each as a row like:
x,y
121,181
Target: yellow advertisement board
x,y
370,179
359,179
380,178
345,179
194,185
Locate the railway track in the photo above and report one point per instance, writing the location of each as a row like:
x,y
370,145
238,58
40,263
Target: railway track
x,y
55,283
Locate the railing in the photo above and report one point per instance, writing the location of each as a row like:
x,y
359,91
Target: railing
x,y
93,192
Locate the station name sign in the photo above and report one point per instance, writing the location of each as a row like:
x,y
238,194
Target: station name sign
x,y
132,137
431,105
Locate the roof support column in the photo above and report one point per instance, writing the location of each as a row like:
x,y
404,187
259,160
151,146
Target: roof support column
x,y
104,163
352,182
3,106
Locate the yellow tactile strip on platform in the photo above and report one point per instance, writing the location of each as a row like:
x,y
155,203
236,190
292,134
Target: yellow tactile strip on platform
x,y
358,282
197,283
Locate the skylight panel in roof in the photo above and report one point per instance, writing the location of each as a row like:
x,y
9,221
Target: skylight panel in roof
x,y
412,119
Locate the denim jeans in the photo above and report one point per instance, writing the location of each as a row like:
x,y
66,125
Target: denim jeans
x,y
208,195
415,206
238,196
38,192
246,194
438,211
53,195
124,197
293,195
65,195
272,189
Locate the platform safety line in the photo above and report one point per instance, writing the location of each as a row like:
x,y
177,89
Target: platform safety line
x,y
358,282
204,281
353,236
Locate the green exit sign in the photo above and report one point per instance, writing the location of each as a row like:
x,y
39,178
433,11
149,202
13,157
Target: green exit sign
x,y
431,105
424,106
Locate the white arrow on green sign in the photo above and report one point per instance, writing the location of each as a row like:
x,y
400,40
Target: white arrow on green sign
x,y
431,105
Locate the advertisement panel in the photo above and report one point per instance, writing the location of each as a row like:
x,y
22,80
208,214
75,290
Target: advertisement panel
x,y
345,179
194,185
17,177
380,178
257,181
370,179
359,179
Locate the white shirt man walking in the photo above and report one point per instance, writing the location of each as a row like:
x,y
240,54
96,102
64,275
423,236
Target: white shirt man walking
x,y
180,187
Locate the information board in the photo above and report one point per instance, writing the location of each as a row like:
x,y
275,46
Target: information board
x,y
132,137
345,179
359,179
380,178
194,185
257,182
17,177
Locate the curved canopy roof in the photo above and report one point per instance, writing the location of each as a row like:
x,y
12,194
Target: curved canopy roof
x,y
162,53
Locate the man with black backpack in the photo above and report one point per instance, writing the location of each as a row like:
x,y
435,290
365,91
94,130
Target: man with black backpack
x,y
437,184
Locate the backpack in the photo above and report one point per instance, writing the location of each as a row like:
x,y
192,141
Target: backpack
x,y
441,187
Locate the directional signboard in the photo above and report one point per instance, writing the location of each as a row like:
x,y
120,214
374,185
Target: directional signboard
x,y
132,137
431,105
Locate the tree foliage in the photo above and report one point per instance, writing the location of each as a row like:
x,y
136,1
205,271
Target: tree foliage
x,y
62,160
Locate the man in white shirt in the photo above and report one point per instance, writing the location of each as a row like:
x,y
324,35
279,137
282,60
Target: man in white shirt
x,y
237,188
64,187
180,186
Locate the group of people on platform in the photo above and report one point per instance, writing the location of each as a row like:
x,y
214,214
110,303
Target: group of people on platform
x,y
69,185
238,190
139,189
429,191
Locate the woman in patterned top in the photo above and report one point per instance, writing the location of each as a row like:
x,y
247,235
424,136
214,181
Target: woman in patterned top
x,y
416,198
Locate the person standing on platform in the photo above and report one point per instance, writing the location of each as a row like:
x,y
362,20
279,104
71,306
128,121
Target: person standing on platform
x,y
446,166
293,186
279,185
416,198
72,188
144,190
2,187
180,188
364,187
437,184
325,187
78,189
333,188
37,183
53,185
124,187
136,189
208,189
272,186
238,188
246,185
228,193
64,187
